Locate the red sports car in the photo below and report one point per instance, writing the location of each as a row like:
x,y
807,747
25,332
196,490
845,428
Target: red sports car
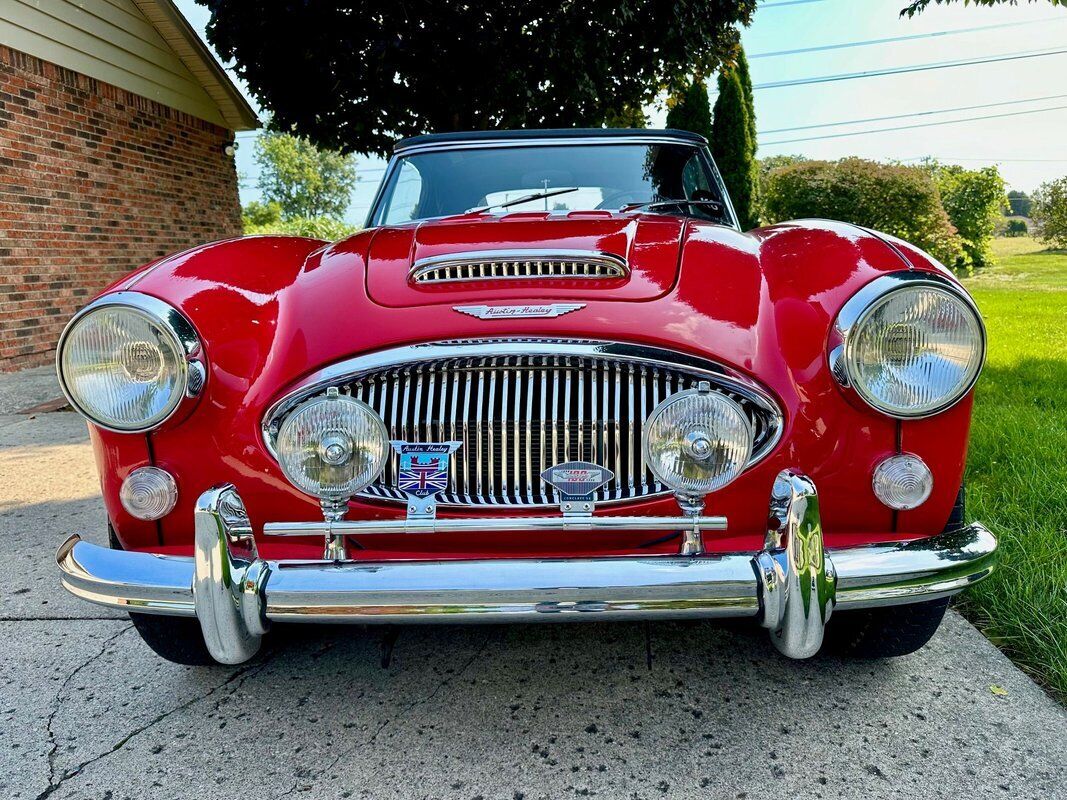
x,y
551,380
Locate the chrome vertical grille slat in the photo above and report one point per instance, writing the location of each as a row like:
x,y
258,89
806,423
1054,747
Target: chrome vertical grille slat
x,y
519,411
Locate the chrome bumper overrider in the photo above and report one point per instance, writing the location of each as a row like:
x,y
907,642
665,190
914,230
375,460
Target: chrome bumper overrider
x,y
792,585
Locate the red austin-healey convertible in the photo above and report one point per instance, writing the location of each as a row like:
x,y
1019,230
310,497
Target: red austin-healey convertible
x,y
550,381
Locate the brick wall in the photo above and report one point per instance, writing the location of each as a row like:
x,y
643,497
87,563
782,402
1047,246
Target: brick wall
x,y
94,182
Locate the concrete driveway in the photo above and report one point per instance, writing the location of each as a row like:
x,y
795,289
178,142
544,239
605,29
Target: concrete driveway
x,y
615,711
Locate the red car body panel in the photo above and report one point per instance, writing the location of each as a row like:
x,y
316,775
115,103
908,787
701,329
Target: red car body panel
x,y
272,310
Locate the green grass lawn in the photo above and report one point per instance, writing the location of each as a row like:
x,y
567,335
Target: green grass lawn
x,y
1017,466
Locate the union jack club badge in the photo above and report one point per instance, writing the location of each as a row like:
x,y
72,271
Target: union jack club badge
x,y
423,472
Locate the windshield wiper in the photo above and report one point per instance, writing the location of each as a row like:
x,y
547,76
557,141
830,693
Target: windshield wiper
x,y
653,205
524,199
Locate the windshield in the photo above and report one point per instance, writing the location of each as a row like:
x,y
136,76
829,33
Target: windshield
x,y
552,178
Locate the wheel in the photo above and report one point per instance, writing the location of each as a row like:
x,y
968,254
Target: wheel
x,y
177,639
893,630
885,632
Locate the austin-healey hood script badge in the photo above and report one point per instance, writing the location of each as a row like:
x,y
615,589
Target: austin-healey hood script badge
x,y
423,473
511,312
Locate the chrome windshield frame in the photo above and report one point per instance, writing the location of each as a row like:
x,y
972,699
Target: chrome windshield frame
x,y
384,191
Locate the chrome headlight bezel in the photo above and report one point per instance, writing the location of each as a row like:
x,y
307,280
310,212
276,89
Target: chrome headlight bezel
x,y
857,310
301,479
674,482
192,371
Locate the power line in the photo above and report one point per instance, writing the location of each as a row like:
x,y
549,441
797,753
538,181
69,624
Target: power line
x,y
913,114
915,68
781,3
913,127
992,160
908,38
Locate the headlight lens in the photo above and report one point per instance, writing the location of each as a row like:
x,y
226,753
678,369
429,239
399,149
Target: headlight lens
x,y
915,351
697,441
332,447
123,368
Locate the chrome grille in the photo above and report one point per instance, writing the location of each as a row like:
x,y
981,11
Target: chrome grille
x,y
519,413
518,265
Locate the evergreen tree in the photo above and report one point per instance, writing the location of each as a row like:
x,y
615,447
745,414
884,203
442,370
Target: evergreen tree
x,y
692,109
750,100
733,148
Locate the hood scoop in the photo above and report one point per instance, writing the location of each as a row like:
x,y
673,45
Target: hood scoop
x,y
518,265
525,258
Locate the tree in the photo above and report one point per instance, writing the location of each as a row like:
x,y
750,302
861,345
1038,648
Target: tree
x,y
900,200
741,65
1019,203
1049,212
917,6
690,109
733,148
975,201
354,76
304,180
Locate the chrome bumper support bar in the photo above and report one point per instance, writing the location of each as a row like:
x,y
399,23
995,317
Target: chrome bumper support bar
x,y
495,524
790,585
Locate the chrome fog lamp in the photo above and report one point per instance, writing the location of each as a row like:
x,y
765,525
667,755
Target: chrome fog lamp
x,y
902,482
912,346
696,442
149,493
127,361
332,447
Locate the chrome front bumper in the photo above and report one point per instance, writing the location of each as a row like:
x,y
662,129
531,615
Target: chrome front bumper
x,y
792,585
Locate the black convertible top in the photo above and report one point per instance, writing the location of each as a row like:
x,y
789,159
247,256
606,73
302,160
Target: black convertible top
x,y
546,133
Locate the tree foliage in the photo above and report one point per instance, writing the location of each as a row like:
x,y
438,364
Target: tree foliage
x,y
899,200
917,6
302,179
690,109
733,147
1049,212
354,76
1020,203
975,202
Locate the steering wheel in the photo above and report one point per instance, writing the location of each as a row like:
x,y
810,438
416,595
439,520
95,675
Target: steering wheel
x,y
621,198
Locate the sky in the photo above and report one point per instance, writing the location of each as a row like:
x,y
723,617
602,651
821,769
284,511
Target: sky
x,y
1028,148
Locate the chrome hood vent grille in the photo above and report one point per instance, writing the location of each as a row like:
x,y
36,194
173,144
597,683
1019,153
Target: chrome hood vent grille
x,y
518,265
521,406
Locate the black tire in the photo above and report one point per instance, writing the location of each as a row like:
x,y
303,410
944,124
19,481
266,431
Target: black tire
x,y
886,632
177,639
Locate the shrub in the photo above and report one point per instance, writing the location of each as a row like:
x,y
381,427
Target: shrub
x,y
1049,212
975,202
257,215
1016,227
314,227
898,200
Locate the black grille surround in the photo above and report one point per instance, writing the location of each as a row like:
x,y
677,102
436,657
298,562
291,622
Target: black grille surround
x,y
521,406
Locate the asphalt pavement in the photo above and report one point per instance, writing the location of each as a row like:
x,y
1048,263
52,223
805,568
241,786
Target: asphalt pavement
x,y
521,712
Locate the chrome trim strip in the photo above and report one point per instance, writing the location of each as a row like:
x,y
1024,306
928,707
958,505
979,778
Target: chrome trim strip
x,y
480,353
172,322
546,142
855,310
616,266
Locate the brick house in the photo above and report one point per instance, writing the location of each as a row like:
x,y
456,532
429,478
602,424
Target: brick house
x,y
115,130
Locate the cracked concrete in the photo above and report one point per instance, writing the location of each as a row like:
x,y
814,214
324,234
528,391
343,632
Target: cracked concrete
x,y
526,712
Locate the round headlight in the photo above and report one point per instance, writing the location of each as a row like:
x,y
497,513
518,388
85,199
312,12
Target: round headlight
x,y
332,447
915,351
123,366
697,441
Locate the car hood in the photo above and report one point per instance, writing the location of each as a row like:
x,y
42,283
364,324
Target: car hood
x,y
650,245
